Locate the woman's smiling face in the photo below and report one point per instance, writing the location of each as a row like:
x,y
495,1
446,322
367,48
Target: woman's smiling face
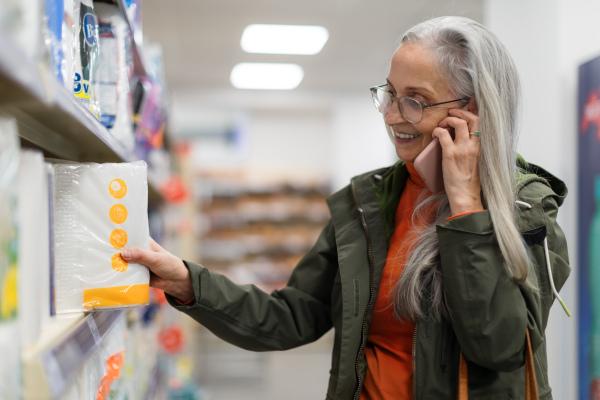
x,y
413,73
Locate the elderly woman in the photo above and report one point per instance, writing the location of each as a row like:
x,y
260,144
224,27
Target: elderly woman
x,y
420,287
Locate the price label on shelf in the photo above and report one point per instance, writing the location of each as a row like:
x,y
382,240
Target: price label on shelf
x,y
94,329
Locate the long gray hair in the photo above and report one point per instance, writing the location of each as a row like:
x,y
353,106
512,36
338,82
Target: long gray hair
x,y
476,65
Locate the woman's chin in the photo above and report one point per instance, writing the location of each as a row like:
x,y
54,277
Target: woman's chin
x,y
407,155
408,149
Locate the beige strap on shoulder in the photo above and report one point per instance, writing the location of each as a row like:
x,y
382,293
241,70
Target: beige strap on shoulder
x,y
531,392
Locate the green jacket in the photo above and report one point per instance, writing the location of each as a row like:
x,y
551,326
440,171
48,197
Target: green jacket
x,y
337,281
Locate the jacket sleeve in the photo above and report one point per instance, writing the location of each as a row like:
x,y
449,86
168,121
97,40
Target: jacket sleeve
x,y
252,319
489,311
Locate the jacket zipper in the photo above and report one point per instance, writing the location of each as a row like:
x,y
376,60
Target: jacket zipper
x,y
414,361
371,268
443,364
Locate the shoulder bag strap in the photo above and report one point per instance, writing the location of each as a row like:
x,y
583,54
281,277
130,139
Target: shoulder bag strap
x,y
531,392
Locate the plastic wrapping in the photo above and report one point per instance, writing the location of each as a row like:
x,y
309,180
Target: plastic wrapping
x,y
112,350
99,209
85,41
115,71
9,333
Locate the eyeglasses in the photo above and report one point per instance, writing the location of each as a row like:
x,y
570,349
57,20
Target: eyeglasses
x,y
410,108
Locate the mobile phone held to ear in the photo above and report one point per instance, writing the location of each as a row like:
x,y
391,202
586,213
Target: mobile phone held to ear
x,y
429,166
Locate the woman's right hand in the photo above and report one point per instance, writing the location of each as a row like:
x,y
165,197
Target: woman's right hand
x,y
167,271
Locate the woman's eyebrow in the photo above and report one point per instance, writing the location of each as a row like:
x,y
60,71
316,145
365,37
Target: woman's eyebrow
x,y
420,89
413,88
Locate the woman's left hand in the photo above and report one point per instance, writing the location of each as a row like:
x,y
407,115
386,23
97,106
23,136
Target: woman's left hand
x,y
460,160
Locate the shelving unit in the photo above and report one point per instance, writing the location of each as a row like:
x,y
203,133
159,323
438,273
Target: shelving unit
x,y
51,120
264,230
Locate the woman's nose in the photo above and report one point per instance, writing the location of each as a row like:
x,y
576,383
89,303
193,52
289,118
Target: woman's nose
x,y
394,116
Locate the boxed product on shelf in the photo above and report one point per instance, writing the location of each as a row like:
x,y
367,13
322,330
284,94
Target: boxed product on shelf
x,y
85,44
34,266
9,332
115,71
99,209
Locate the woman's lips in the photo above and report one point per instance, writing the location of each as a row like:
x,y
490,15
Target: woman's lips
x,y
404,137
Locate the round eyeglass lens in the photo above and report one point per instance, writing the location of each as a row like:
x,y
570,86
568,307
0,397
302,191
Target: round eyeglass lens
x,y
382,100
411,109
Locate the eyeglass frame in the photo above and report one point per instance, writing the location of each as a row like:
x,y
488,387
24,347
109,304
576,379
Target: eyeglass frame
x,y
422,104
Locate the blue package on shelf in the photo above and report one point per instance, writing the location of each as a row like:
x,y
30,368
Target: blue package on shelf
x,y
55,16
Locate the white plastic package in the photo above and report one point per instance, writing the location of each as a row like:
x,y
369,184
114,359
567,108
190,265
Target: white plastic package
x,y
9,328
99,209
22,20
115,70
85,45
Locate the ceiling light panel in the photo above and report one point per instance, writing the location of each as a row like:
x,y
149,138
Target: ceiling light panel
x,y
284,39
266,76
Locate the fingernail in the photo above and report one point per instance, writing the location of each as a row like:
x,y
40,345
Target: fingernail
x,y
126,253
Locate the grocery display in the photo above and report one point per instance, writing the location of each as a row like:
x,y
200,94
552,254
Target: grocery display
x,y
75,320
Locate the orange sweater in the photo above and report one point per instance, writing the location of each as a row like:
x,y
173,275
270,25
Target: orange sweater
x,y
389,346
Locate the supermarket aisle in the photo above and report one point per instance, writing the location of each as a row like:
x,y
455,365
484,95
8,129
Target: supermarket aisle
x,y
296,374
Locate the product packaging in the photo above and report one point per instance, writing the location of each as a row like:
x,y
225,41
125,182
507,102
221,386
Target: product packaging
x,y
48,294
99,209
68,45
150,127
22,20
115,71
55,16
9,327
86,54
113,384
132,9
34,266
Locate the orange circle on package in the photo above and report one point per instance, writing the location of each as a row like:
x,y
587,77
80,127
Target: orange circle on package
x,y
118,238
118,264
118,213
117,188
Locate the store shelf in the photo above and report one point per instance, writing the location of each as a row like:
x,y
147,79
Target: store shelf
x,y
49,116
62,349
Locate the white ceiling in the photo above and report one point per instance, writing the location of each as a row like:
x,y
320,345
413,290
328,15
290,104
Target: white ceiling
x,y
201,38
201,44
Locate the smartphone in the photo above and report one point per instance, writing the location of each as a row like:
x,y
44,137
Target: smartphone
x,y
429,166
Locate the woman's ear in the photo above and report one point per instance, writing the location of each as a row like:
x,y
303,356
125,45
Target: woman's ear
x,y
473,106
